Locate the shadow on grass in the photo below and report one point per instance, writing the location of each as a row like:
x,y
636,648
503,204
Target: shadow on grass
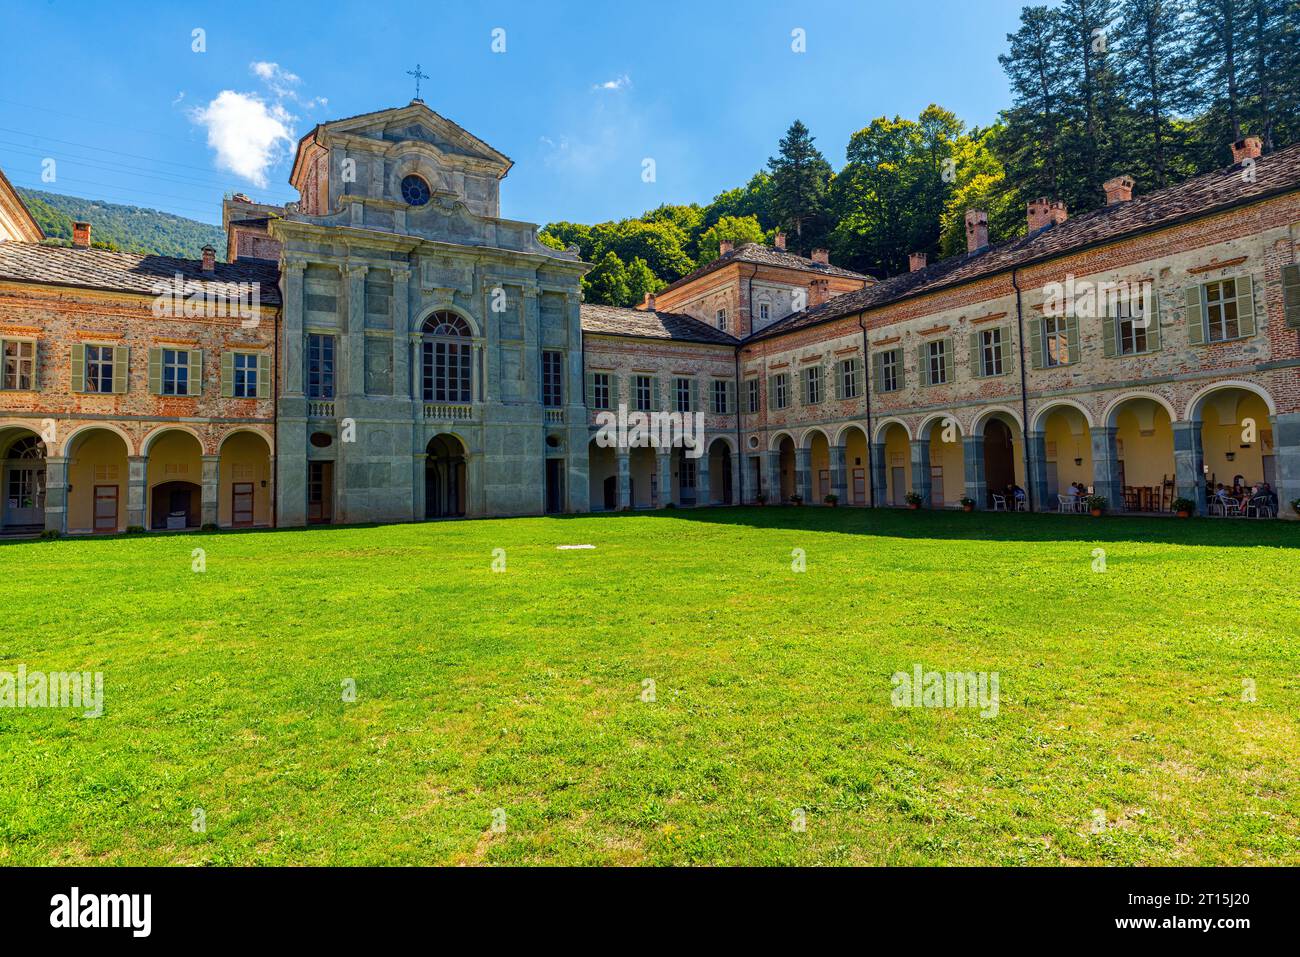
x,y
1001,526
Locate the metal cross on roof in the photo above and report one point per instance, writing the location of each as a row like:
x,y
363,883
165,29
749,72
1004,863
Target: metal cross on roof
x,y
418,77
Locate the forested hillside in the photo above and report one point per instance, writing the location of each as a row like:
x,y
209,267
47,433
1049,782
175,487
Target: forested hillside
x,y
129,228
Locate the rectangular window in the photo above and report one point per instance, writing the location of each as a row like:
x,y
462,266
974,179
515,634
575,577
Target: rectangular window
x,y
1221,308
812,385
849,379
19,364
764,311
720,397
99,369
644,393
752,396
1131,325
600,390
320,366
721,318
991,352
245,384
175,372
552,378
937,357
889,362
1056,342
682,394
781,390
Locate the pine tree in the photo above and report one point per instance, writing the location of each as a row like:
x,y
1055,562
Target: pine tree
x,y
1032,144
800,175
1152,40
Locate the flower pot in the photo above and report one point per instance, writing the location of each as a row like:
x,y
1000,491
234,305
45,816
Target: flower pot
x,y
968,508
914,505
1096,513
1184,514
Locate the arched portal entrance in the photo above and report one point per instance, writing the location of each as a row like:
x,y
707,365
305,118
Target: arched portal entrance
x,y
855,462
175,474
786,467
1145,468
1067,455
947,466
444,478
1237,441
819,466
720,479
897,465
22,480
602,473
245,492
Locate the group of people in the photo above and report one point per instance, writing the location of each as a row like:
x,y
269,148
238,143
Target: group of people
x,y
1260,494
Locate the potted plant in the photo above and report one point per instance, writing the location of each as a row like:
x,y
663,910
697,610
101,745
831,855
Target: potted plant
x,y
796,499
1295,505
1184,507
1097,504
760,498
913,500
832,500
967,504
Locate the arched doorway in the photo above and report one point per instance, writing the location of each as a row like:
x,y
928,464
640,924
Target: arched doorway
x,y
1236,438
444,478
1067,453
602,472
947,465
819,466
245,488
174,477
1145,468
786,468
855,464
720,479
98,476
1003,455
643,469
22,480
897,465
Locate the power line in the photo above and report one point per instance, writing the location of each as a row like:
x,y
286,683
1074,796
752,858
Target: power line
x,y
193,209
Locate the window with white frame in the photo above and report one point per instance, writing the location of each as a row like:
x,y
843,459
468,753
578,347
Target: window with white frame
x,y
1131,324
752,396
600,390
19,364
1056,341
764,311
99,369
644,387
175,372
937,358
721,318
682,393
849,379
720,404
812,388
245,367
1221,309
781,390
552,378
991,352
889,363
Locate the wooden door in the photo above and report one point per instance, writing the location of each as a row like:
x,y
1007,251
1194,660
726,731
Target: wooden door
x,y
106,508
241,505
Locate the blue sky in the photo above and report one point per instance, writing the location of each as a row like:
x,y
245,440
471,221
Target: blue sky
x,y
582,94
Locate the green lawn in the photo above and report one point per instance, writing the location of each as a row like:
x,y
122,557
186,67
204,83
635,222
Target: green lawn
x,y
1120,691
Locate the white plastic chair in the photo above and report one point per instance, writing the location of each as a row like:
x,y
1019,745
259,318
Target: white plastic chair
x,y
999,502
1022,504
1066,503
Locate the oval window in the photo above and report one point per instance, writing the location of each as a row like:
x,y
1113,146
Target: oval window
x,y
415,190
322,440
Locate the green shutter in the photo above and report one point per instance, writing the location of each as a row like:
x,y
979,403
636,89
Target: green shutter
x,y
1004,347
840,373
590,392
902,371
36,365
976,369
1036,343
1291,296
922,366
878,372
196,372
1153,323
730,397
1072,340
78,367
771,392
227,374
949,360
695,395
655,394
121,359
1109,340
1246,305
1194,302
155,371
613,390
857,377
264,375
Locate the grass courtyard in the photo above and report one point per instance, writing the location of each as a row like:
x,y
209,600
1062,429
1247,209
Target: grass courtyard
x,y
1122,734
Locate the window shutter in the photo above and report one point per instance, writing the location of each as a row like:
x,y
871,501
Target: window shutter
x,y
1109,337
878,372
264,375
655,395
613,390
1153,323
902,372
840,372
1195,313
730,397
976,368
78,367
857,377
1036,343
695,395
1072,339
922,366
590,390
1291,296
228,374
771,392
36,365
1246,305
121,356
155,371
949,360
195,380
1004,347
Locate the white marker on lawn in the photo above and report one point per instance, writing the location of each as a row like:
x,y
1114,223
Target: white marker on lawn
x,y
565,547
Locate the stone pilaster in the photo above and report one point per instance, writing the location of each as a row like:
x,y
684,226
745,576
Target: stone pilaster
x,y
879,471
703,494
972,457
772,476
803,485
840,473
56,494
210,490
1105,467
291,328
1038,471
401,316
623,457
1189,463
664,462
921,470
137,468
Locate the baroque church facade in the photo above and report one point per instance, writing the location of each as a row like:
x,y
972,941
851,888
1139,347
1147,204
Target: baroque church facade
x,y
410,355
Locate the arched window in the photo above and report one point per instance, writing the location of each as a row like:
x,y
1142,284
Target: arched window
x,y
29,447
448,355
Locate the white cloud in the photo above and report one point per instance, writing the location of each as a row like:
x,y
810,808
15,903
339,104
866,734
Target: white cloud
x,y
248,134
278,80
620,82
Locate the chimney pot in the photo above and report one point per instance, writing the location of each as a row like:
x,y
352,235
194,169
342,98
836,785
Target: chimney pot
x,y
725,246
780,240
649,302
209,259
1118,190
1045,212
916,261
977,230
820,255
1249,147
81,235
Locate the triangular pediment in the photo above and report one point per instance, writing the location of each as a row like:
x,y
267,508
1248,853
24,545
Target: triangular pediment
x,y
415,122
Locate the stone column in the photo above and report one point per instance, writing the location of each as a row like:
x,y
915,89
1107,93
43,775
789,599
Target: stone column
x,y
291,326
879,469
840,473
1189,463
56,494
401,316
623,458
664,460
921,470
1286,445
1038,471
137,469
772,478
272,518
803,474
702,494
736,497
354,339
972,457
210,490
1105,467
418,461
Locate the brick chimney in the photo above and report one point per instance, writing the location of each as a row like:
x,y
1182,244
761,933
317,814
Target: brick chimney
x,y
821,256
977,230
1045,212
725,246
779,241
1118,190
916,261
81,235
209,260
819,291
649,302
1248,148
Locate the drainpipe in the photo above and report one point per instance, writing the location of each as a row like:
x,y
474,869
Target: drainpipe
x,y
1024,396
866,383
740,448
275,413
